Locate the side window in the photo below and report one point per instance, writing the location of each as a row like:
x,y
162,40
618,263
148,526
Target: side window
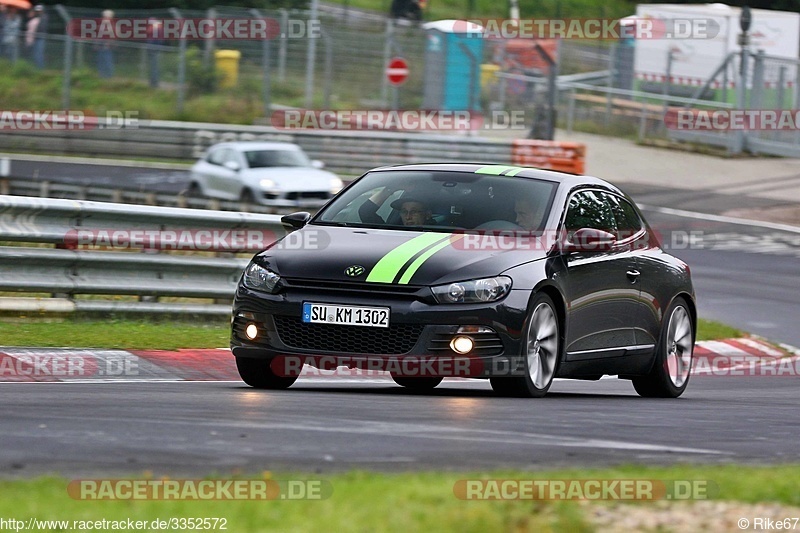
x,y
626,217
589,209
215,157
231,155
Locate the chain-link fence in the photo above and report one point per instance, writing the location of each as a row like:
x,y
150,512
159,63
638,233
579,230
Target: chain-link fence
x,y
323,61
330,60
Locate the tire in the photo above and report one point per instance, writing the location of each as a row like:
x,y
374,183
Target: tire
x,y
194,190
541,353
417,384
673,362
247,198
258,373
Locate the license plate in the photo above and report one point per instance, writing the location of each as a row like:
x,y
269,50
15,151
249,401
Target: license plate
x,y
347,315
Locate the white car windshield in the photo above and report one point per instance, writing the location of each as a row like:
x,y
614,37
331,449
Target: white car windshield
x,y
276,158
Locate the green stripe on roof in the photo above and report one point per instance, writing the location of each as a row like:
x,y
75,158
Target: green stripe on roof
x,y
390,264
515,171
413,267
494,170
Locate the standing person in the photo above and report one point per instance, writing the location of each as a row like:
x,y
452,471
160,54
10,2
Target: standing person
x,y
11,28
35,35
105,55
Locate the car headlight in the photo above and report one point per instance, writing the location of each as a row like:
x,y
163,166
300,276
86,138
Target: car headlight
x,y
259,278
267,184
336,185
475,291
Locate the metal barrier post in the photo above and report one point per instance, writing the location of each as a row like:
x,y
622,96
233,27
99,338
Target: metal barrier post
x,y
181,64
208,51
388,46
668,81
311,57
66,86
282,45
571,110
757,92
643,122
265,67
328,69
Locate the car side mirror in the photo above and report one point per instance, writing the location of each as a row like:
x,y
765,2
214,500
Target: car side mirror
x,y
589,240
232,165
296,220
316,163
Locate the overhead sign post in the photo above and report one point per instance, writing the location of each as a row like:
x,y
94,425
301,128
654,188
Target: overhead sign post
x,y
397,74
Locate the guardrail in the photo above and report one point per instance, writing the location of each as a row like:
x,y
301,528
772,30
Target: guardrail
x,y
346,152
72,191
73,277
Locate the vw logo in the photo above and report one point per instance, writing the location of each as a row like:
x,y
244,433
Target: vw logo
x,y
354,270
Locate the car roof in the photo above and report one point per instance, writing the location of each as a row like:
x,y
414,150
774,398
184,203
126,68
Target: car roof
x,y
567,180
256,145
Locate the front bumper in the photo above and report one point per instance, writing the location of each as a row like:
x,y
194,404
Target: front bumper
x,y
419,331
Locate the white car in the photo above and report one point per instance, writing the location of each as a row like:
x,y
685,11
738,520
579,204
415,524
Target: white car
x,y
269,173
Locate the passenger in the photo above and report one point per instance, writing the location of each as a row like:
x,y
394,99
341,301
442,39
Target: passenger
x,y
529,214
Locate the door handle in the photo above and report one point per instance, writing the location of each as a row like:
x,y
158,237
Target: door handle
x,y
633,275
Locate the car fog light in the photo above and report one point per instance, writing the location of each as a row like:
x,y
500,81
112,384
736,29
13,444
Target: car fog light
x,y
462,344
251,331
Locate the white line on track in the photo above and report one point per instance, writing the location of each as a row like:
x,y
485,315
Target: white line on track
x,y
720,218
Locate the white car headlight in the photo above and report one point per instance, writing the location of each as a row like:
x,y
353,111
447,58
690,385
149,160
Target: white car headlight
x,y
475,291
259,278
336,185
267,184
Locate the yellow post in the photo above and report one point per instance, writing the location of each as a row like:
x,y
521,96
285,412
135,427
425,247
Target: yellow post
x,y
227,62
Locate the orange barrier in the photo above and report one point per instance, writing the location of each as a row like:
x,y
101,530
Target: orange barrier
x,y
566,157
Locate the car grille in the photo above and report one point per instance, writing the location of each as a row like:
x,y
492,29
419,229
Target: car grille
x,y
349,286
396,339
485,344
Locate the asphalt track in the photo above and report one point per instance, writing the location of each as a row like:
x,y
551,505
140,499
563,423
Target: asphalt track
x,y
195,428
744,275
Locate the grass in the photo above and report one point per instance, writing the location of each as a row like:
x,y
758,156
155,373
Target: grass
x,y
115,334
170,335
709,330
24,87
422,501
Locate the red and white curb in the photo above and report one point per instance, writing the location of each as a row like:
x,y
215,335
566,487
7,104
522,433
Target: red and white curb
x,y
730,357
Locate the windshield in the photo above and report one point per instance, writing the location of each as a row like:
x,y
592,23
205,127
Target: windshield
x,y
276,158
436,200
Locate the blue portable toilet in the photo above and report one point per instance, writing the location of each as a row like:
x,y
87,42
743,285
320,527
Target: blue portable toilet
x,y
453,57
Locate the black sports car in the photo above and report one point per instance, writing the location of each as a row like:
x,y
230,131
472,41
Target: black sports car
x,y
513,274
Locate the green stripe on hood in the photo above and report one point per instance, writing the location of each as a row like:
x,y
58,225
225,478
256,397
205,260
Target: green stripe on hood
x,y
390,264
413,267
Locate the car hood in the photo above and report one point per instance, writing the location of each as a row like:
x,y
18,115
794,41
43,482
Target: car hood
x,y
291,178
395,256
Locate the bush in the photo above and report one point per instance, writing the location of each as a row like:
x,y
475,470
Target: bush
x,y
200,78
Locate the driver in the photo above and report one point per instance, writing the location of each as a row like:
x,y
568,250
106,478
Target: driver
x,y
413,211
413,208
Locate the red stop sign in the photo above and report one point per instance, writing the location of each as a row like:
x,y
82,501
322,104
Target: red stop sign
x,y
397,71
